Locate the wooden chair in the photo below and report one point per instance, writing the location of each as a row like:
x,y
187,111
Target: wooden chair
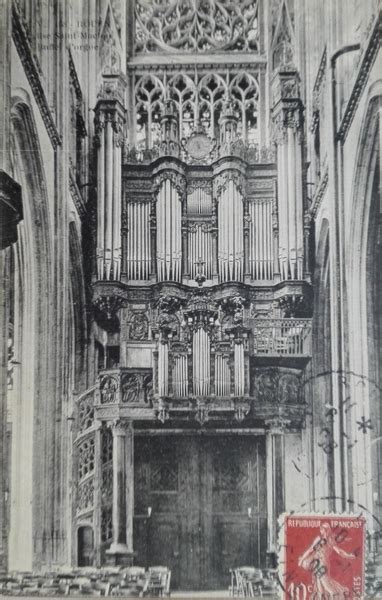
x,y
270,587
158,581
134,573
251,581
237,584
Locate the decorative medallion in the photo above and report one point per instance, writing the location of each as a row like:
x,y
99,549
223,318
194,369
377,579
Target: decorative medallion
x,y
199,146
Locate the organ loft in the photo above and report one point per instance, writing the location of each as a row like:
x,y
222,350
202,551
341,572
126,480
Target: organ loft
x,y
191,234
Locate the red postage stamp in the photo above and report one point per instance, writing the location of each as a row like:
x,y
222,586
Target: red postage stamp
x,y
322,557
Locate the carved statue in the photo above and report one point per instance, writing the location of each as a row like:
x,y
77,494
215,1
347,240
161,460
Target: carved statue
x,y
136,388
289,389
139,326
108,389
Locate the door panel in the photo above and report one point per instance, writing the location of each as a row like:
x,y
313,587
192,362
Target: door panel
x,y
208,506
233,546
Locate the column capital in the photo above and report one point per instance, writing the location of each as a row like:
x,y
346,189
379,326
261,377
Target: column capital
x,y
120,426
276,425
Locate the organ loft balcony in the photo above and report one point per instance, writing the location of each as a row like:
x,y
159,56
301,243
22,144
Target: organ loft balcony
x,y
208,362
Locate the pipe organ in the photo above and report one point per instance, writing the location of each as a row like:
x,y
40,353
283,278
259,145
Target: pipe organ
x,y
183,232
138,258
261,239
230,231
200,358
199,274
169,232
198,221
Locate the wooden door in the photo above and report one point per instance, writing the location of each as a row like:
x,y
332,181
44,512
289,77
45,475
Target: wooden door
x,y
235,513
85,546
199,492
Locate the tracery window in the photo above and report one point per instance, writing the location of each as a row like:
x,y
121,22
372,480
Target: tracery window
x,y
183,92
196,25
245,91
212,90
198,99
149,94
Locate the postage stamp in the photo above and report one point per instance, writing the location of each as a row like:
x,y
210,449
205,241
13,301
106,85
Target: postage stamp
x,y
322,557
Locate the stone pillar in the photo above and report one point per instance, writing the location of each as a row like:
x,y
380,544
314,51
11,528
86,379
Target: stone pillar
x,y
10,215
121,549
275,467
4,296
97,493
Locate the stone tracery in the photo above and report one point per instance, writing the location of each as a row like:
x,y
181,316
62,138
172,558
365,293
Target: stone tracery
x,y
195,25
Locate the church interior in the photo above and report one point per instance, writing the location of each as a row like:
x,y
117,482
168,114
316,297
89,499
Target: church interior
x,y
190,252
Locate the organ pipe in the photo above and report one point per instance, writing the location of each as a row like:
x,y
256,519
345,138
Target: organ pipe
x,y
261,239
163,368
169,233
199,202
100,198
230,233
201,362
116,245
109,126
180,376
239,369
287,114
108,198
138,241
222,376
283,211
290,207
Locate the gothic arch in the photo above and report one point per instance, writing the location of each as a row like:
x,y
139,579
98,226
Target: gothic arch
x,y
33,284
363,313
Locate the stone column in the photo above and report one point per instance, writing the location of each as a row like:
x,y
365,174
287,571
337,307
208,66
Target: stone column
x,y
275,467
97,493
10,215
121,549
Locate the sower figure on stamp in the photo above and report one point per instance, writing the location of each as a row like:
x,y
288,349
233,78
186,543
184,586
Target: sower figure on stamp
x,y
317,559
